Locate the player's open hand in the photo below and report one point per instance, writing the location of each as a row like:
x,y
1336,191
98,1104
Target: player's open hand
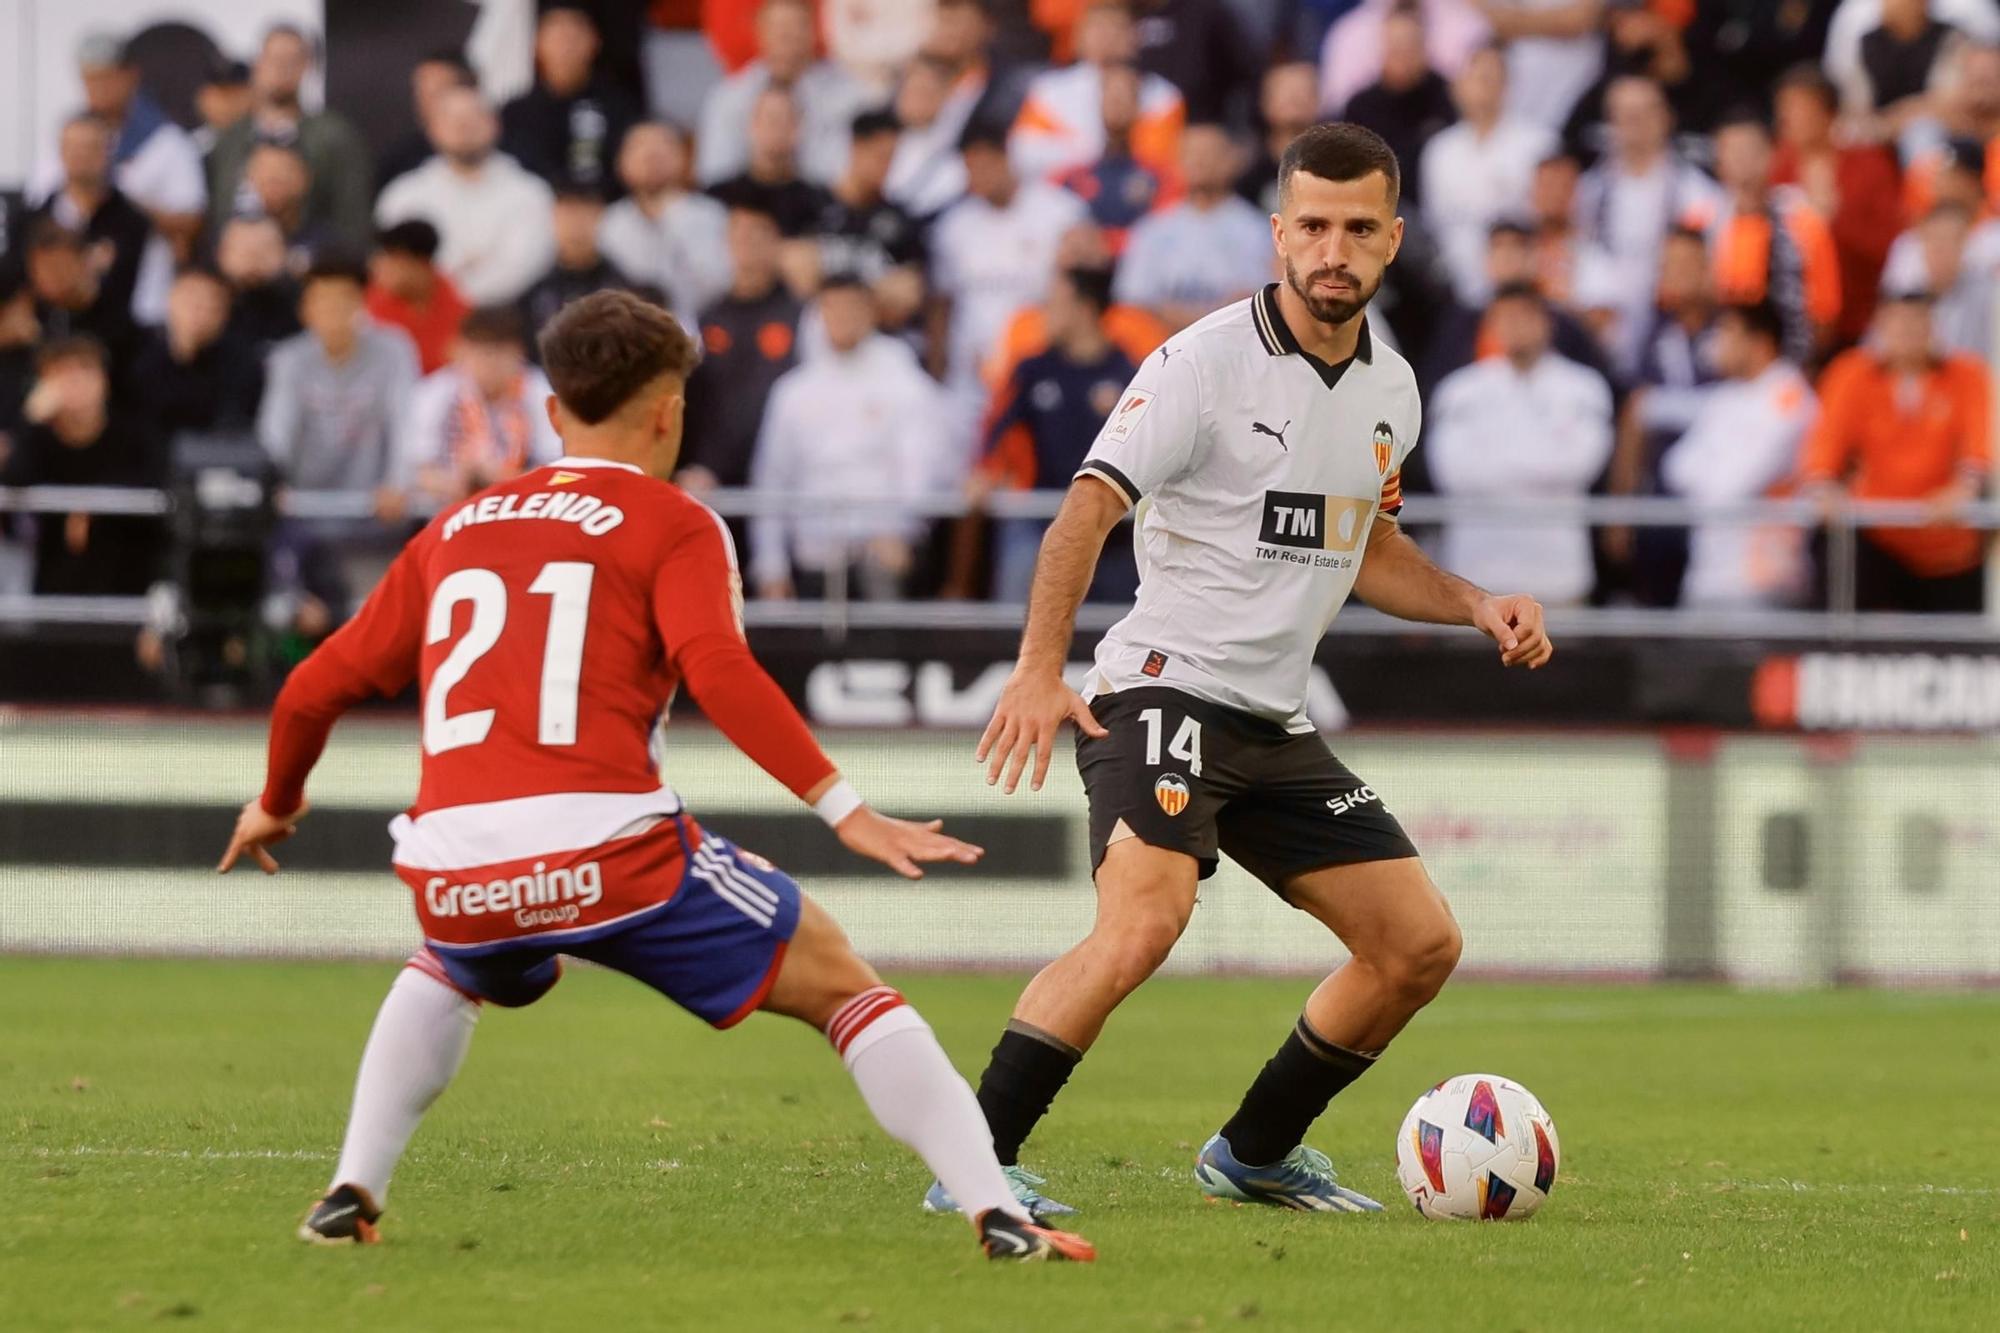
x,y
1515,623
256,833
1031,711
900,843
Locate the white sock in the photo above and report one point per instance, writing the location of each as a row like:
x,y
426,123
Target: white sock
x,y
419,1041
919,1098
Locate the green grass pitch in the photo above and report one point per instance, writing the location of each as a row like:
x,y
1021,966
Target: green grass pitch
x,y
1733,1161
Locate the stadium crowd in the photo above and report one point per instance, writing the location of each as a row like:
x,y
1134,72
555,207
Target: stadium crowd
x,y
1720,250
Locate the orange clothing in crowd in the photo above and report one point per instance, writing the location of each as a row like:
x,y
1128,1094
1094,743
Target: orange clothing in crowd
x,y
1749,246
1891,444
1058,19
1132,330
1865,222
1920,182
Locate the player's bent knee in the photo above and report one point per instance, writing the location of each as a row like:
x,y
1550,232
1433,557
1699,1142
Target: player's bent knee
x,y
1423,962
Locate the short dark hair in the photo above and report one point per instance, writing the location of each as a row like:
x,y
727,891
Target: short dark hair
x,y
1743,116
494,325
1760,318
983,133
76,347
569,190
1509,226
875,121
223,72
1682,231
455,59
333,265
1521,290
1339,151
45,233
600,350
415,237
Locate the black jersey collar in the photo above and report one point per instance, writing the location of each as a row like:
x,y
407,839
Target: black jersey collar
x,y
1278,339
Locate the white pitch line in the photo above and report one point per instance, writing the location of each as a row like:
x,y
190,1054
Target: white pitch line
x,y
189,1154
1784,1186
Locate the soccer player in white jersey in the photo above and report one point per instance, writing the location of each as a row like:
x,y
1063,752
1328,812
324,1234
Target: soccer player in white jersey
x,y
1269,439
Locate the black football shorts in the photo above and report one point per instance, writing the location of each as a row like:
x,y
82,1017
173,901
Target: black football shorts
x,y
1192,776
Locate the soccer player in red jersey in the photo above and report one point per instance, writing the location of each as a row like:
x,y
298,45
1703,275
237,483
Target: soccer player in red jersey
x,y
550,620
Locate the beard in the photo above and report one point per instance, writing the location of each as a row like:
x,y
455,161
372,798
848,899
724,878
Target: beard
x,y
1335,311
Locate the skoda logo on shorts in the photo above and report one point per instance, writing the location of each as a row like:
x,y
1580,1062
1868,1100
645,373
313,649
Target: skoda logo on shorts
x,y
1171,791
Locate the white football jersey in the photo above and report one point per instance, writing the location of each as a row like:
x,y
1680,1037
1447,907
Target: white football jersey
x,y
1265,468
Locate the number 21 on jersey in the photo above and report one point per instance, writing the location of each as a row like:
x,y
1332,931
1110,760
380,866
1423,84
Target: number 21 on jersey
x,y
566,583
1185,746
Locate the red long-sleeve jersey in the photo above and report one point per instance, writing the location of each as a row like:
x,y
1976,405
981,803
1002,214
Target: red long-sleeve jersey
x,y
549,620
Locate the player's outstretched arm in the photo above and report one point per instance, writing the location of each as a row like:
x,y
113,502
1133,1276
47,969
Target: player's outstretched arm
x,y
1036,702
1398,579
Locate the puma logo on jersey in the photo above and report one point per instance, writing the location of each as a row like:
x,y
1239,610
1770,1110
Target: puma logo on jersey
x,y
1259,428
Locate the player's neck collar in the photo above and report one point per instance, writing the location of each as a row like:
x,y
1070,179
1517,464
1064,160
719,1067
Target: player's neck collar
x,y
1279,340
571,462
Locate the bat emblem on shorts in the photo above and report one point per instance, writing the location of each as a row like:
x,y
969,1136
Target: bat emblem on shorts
x,y
1171,791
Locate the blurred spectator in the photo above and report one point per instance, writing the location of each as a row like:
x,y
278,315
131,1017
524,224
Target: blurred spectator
x,y
279,182
1936,257
1743,443
1199,47
1899,422
1204,252
991,254
1852,185
1950,147
482,419
580,267
1287,105
493,217
1735,45
771,180
1117,188
1467,333
77,436
825,96
926,176
222,101
1572,272
1044,420
264,309
135,265
153,161
407,291
70,299
1677,364
748,340
857,421
1851,21
1061,121
337,393
664,233
1477,171
193,374
1626,203
567,128
1893,75
1770,245
1134,330
432,77
961,39
1525,426
1354,52
1409,104
860,231
20,331
1553,54
1639,38
342,176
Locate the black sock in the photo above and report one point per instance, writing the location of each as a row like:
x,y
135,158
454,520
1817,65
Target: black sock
x,y
1289,1093
1027,1070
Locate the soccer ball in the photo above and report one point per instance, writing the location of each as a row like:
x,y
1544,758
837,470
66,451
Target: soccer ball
x,y
1477,1147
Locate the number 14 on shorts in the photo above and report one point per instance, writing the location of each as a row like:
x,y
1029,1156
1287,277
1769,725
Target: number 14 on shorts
x,y
1185,746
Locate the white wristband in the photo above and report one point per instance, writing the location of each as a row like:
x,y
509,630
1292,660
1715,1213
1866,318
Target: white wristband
x,y
838,802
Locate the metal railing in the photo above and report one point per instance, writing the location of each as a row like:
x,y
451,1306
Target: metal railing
x,y
839,613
